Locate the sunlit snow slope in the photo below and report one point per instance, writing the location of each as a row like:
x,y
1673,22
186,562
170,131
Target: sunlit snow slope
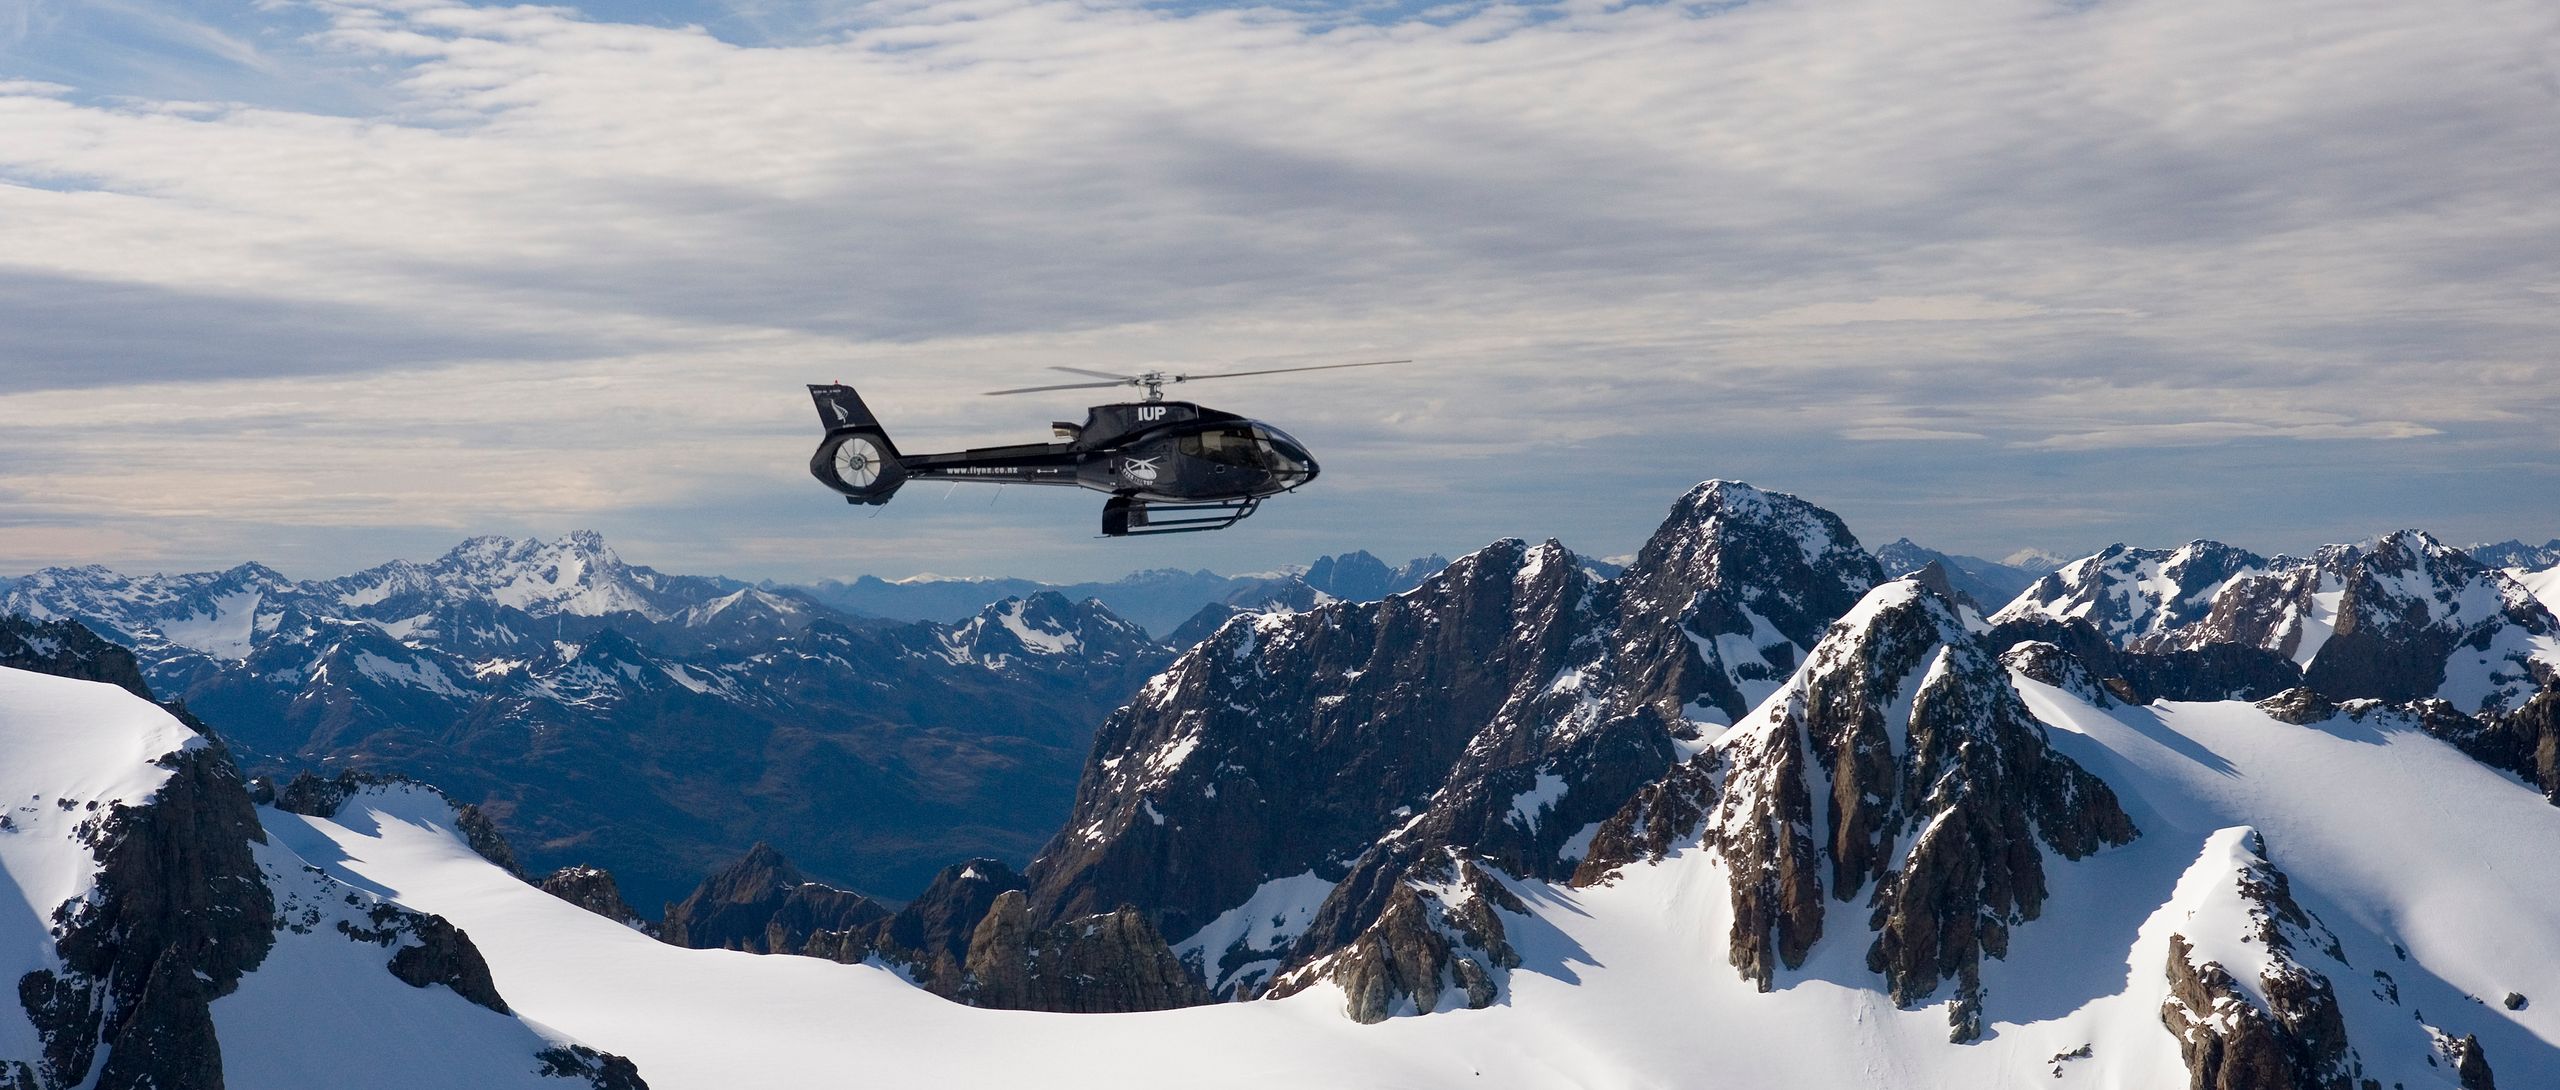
x,y
320,1008
2428,867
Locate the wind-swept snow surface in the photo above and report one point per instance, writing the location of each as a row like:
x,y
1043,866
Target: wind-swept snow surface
x,y
2431,871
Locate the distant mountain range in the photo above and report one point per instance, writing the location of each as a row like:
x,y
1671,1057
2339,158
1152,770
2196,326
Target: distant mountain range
x,y
1158,600
655,724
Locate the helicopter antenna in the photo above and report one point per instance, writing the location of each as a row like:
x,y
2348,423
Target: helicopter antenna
x,y
1155,381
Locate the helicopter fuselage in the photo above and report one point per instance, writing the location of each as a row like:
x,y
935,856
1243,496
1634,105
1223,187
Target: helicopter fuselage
x,y
1163,457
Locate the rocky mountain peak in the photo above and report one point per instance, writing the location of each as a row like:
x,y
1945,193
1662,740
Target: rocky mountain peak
x,y
2134,594
1355,575
763,904
576,574
1730,591
1900,768
1046,625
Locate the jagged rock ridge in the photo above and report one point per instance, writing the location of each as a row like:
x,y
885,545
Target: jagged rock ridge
x,y
1304,765
2398,618
1900,765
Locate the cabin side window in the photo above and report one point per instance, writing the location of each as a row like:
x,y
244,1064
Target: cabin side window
x,y
1232,447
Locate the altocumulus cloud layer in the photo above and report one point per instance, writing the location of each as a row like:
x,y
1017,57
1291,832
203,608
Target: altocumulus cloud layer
x,y
331,282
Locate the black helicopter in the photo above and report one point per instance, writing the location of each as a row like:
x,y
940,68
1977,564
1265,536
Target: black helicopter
x,y
1171,467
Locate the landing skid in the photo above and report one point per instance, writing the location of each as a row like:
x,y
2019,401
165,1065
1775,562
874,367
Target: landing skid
x,y
1126,517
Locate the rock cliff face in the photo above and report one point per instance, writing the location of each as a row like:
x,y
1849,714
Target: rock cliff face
x,y
1900,768
763,905
1108,963
1439,940
1289,743
1506,707
1727,596
2282,1028
1665,815
928,939
180,914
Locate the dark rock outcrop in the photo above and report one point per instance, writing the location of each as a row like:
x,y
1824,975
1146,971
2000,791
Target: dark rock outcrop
x,y
1901,724
929,937
1664,815
181,913
2297,1039
66,648
1108,963
593,889
483,836
444,955
2300,706
2471,1064
1440,933
600,1070
763,905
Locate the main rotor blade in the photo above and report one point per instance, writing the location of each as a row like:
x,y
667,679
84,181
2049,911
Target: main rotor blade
x,y
1285,370
1096,374
1062,386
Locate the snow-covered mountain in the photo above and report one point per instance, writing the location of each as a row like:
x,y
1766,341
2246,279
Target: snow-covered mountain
x,y
2399,617
1748,813
2305,902
159,938
649,723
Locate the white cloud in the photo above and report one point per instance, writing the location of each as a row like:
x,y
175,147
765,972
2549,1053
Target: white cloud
x,y
2198,433
551,269
1902,432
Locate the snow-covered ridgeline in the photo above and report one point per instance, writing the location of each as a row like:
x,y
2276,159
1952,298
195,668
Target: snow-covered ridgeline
x,y
2397,617
2378,826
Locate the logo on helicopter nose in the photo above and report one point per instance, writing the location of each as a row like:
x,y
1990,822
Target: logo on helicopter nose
x,y
1141,470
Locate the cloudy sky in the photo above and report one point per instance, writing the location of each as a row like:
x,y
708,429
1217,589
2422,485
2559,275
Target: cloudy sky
x,y
323,283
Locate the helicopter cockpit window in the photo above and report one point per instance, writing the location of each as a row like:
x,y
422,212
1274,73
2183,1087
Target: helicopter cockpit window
x,y
1234,447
